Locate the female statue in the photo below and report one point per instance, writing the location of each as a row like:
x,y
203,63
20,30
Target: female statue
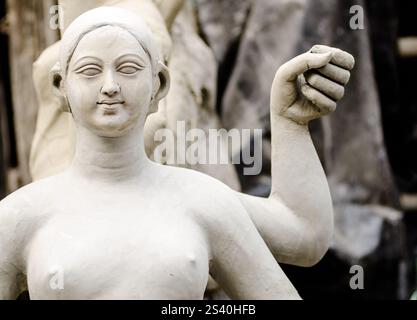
x,y
117,226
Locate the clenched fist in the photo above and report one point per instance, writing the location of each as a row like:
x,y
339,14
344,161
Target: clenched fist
x,y
309,86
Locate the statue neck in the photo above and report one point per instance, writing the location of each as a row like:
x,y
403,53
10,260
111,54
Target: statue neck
x,y
110,159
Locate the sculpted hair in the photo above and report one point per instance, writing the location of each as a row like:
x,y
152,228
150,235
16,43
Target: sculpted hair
x,y
101,17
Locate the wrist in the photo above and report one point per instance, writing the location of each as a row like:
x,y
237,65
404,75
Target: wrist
x,y
287,123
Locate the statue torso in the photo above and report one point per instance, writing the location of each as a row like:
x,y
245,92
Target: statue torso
x,y
116,244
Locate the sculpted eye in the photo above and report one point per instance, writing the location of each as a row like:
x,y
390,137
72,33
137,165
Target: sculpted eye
x,y
129,68
89,71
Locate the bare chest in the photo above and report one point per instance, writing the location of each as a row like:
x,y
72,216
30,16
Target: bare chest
x,y
117,255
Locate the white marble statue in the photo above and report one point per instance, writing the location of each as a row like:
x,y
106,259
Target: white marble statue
x,y
116,225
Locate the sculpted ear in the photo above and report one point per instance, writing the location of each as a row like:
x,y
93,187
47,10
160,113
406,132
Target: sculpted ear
x,y
162,84
56,80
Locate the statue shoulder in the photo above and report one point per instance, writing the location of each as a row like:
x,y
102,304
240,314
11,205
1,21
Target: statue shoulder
x,y
200,192
28,197
14,221
19,214
15,206
210,200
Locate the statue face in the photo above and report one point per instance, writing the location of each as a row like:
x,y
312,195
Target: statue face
x,y
109,82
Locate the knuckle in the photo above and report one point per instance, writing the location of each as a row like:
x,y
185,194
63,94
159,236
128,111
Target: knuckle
x,y
349,60
328,106
332,105
345,77
352,63
340,92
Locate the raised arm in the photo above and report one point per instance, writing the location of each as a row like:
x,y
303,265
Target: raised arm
x,y
296,221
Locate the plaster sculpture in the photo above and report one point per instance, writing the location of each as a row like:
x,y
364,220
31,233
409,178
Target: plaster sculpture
x,y
115,225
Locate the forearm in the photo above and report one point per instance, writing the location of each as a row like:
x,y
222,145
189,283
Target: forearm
x,y
299,181
296,221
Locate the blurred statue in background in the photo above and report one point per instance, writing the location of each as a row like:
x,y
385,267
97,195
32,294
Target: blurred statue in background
x,y
116,225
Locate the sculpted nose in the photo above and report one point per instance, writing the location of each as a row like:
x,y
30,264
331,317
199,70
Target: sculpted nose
x,y
110,87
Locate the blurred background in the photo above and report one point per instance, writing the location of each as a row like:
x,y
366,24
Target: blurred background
x,y
367,147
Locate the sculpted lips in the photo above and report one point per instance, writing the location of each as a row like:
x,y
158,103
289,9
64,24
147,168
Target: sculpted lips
x,y
110,106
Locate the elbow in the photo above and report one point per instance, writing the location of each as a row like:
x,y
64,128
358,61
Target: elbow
x,y
317,239
309,252
317,246
316,255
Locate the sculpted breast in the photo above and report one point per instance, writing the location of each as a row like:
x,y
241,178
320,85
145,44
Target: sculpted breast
x,y
82,257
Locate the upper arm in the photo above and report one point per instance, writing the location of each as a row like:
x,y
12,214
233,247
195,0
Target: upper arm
x,y
242,263
287,235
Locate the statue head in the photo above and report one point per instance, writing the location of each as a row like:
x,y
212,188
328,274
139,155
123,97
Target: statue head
x,y
109,74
